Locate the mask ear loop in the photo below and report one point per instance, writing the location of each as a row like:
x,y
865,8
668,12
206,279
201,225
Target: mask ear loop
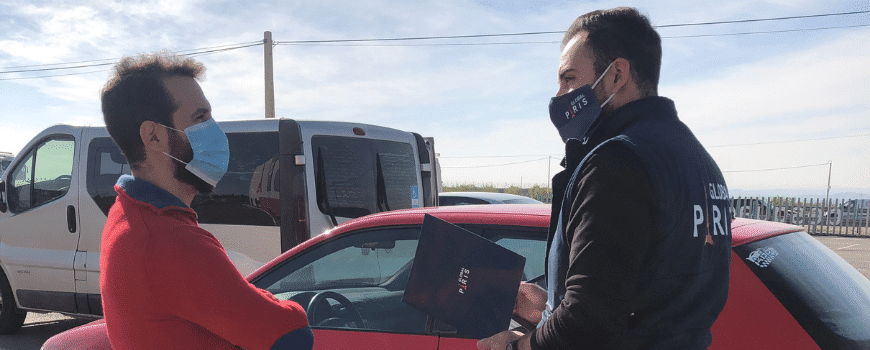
x,y
167,154
602,77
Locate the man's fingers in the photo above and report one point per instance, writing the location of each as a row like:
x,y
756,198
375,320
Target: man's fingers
x,y
498,341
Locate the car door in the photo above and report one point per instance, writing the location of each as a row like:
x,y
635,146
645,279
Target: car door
x,y
352,288
41,234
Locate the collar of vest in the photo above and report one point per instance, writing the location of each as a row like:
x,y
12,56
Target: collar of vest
x,y
147,192
614,123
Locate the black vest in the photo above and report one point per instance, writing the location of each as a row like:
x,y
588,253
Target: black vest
x,y
684,280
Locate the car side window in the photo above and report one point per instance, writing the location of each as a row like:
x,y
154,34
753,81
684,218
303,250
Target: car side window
x,y
533,250
368,269
44,175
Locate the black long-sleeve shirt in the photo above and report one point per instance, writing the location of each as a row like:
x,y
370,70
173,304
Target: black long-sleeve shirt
x,y
609,231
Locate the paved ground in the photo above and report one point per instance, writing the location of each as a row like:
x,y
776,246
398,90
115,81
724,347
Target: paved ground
x,y
39,327
855,250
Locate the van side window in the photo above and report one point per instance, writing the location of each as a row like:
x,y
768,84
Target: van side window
x,y
246,195
105,164
44,175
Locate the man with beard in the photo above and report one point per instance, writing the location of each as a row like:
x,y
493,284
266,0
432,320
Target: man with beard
x,y
639,247
165,282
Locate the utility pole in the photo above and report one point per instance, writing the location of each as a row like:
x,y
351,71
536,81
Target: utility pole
x,y
270,81
548,171
828,190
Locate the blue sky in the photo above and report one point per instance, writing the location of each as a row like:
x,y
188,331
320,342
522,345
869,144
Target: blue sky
x,y
487,102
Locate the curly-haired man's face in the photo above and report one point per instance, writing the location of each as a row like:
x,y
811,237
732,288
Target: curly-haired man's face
x,y
193,108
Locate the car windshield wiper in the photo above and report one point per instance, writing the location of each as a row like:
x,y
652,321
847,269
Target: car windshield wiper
x,y
320,185
381,186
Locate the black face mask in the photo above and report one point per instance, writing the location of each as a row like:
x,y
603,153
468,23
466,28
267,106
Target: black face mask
x,y
573,113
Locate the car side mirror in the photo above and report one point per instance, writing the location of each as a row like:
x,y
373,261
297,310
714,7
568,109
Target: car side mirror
x,y
2,196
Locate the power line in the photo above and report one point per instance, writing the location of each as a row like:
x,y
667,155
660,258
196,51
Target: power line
x,y
762,19
357,44
783,168
411,38
550,32
227,47
789,141
491,165
56,75
763,32
509,156
429,44
715,146
190,52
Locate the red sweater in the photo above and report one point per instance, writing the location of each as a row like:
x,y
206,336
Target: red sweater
x,y
168,284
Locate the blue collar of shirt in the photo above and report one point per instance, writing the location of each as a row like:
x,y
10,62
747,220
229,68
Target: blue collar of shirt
x,y
147,192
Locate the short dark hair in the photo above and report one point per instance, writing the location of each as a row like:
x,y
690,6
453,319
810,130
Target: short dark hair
x,y
622,32
135,93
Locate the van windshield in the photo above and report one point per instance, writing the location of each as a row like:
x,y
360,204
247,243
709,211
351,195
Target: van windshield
x,y
358,176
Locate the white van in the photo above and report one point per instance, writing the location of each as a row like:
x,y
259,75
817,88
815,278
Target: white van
x,y
287,181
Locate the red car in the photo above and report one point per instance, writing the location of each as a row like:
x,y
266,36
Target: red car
x,y
788,291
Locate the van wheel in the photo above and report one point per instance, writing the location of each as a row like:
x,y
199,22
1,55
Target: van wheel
x,y
11,317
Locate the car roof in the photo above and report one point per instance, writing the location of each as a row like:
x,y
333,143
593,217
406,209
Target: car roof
x,y
745,231
535,215
482,195
529,215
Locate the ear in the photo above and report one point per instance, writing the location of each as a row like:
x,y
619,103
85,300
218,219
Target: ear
x,y
621,74
154,137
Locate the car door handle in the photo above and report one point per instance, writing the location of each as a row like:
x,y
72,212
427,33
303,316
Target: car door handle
x,y
71,218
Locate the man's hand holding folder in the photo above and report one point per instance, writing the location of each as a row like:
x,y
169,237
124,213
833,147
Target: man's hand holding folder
x,y
531,301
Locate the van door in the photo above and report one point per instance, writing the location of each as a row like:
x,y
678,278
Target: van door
x,y
243,211
40,236
103,165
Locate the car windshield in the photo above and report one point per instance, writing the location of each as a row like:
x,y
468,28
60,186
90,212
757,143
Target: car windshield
x,y
826,295
370,268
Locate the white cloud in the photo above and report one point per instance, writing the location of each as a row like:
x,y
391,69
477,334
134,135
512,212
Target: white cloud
x,y
16,135
777,89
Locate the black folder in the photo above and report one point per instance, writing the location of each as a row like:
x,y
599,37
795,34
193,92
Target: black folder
x,y
463,279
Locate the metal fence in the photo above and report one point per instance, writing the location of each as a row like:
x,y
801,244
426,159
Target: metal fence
x,y
838,217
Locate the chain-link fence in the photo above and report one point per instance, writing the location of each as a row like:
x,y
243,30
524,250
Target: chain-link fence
x,y
841,217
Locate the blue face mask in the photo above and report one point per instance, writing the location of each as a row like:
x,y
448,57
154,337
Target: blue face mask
x,y
573,113
211,151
